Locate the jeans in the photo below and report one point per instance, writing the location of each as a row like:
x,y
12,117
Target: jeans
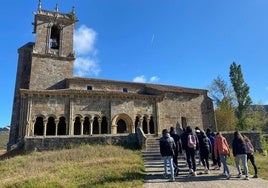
x,y
169,159
224,164
243,158
190,155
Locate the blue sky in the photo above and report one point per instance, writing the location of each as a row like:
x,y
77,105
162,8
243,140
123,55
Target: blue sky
x,y
175,42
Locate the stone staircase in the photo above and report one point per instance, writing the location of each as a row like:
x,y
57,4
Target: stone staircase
x,y
154,165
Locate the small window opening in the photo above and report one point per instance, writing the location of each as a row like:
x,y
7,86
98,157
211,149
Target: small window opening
x,y
89,88
125,90
55,37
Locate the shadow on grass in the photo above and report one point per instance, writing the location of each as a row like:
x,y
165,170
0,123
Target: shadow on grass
x,y
129,179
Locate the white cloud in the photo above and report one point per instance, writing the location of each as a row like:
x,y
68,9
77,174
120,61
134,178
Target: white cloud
x,y
84,40
154,79
86,63
86,66
266,88
141,79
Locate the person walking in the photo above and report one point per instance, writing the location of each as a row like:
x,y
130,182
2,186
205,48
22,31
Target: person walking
x,y
204,149
240,154
250,155
176,139
167,147
222,150
190,144
211,137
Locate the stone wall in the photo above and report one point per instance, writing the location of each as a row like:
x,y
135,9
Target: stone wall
x,y
63,142
254,136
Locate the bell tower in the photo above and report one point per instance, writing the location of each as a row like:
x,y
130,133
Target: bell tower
x,y
52,55
45,63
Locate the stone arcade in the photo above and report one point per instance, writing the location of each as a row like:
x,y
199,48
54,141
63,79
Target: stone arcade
x,y
50,104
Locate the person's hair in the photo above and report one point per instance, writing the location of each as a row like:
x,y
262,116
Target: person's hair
x,y
238,135
172,129
164,131
202,132
189,129
246,138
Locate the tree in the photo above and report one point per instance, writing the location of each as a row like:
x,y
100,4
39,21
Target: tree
x,y
221,94
257,117
241,90
223,97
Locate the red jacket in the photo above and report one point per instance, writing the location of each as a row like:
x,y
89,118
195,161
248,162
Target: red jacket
x,y
221,146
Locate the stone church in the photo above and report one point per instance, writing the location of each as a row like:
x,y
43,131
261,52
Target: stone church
x,y
49,102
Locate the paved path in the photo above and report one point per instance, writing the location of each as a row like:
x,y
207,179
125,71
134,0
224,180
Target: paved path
x,y
154,172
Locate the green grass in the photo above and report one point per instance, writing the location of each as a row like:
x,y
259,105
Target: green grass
x,y
4,135
261,162
85,166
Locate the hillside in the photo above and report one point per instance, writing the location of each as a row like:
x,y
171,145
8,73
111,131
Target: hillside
x,y
3,139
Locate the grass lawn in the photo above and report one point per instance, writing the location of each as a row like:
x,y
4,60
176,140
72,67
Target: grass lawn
x,y
261,162
85,166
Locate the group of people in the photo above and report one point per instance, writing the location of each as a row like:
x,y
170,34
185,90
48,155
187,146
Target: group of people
x,y
207,146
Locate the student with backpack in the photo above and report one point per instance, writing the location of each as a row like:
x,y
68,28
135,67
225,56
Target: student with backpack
x,y
205,148
190,144
177,141
250,155
167,147
222,150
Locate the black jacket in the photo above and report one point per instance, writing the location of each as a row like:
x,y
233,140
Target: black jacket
x,y
204,144
167,145
239,147
177,141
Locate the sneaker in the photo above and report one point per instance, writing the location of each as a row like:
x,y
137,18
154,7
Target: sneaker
x,y
228,176
239,175
246,178
255,176
176,171
165,176
207,172
172,179
194,174
223,174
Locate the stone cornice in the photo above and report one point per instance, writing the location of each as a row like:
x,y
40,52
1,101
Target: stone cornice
x,y
86,94
51,56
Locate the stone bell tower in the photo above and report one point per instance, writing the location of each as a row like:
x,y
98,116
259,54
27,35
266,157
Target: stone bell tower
x,y
52,55
45,64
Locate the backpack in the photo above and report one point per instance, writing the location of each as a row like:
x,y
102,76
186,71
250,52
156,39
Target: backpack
x,y
191,141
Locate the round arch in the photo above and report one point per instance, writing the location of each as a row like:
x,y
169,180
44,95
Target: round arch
x,y
129,126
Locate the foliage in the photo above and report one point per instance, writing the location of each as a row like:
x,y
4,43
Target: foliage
x,y
223,97
221,94
85,166
225,119
242,94
256,118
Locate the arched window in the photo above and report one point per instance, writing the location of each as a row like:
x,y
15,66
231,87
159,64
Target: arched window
x,y
51,126
144,125
55,37
121,126
86,126
137,122
151,125
77,126
104,126
62,126
95,126
39,126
